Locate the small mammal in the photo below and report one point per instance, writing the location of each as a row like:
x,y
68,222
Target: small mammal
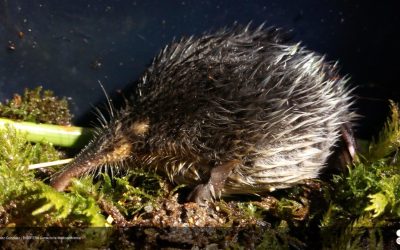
x,y
238,111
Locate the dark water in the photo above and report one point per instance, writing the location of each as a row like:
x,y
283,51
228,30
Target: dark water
x,y
68,46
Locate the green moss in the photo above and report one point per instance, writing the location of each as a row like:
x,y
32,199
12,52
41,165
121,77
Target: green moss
x,y
37,106
28,201
367,198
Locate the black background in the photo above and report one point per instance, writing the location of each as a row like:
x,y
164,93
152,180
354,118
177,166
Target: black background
x,y
68,46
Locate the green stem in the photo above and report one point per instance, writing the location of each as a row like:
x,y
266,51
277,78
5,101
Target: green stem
x,y
63,136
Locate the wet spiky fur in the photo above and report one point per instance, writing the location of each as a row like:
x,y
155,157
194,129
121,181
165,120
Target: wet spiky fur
x,y
237,95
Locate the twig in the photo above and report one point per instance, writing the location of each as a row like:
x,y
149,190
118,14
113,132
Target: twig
x,y
49,164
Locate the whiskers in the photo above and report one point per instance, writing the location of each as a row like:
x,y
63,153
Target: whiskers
x,y
115,169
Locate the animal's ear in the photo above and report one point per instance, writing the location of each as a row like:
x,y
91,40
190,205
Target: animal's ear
x,y
140,127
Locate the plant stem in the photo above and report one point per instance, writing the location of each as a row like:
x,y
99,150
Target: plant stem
x,y
63,136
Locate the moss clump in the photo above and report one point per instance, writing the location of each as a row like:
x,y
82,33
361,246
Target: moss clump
x,y
28,201
37,106
366,201
29,207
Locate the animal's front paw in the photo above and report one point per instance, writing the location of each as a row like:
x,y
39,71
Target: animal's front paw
x,y
203,193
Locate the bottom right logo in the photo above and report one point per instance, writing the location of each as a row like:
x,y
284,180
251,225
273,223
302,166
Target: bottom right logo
x,y
398,236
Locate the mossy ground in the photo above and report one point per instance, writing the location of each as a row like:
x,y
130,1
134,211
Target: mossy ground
x,y
351,210
38,106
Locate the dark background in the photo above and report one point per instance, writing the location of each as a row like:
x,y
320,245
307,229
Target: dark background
x,y
68,46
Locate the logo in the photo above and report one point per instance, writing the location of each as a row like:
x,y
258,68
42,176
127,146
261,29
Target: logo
x,y
398,237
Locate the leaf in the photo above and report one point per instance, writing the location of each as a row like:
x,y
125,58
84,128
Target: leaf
x,y
389,138
379,203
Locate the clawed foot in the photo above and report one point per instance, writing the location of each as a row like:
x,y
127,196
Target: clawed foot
x,y
212,190
203,193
